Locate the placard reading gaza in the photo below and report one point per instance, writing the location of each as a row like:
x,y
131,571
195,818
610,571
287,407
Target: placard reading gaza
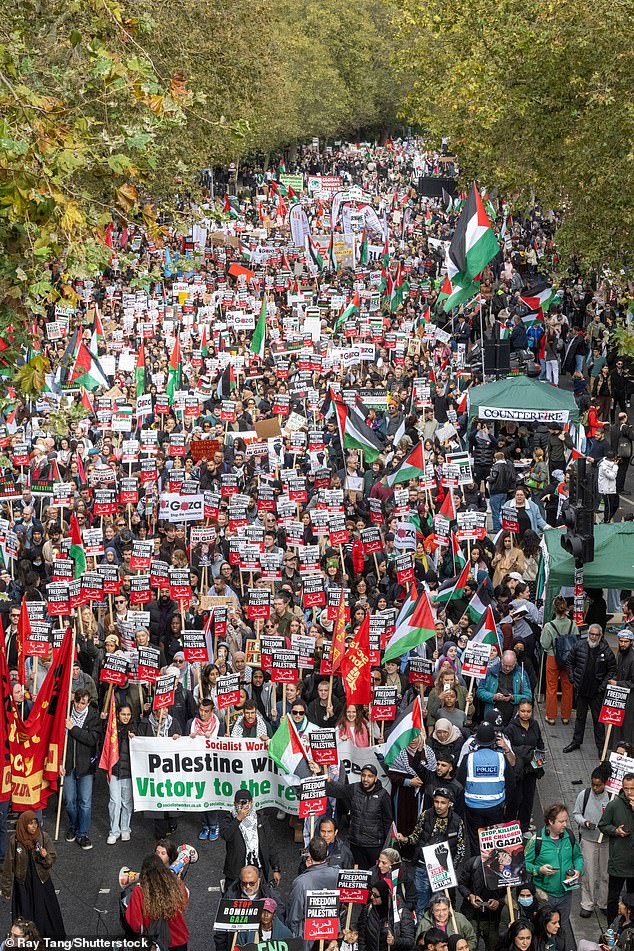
x,y
194,773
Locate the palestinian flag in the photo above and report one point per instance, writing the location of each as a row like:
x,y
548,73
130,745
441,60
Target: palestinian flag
x,y
353,308
400,289
538,297
314,252
355,433
364,251
174,371
459,559
474,243
447,200
385,257
443,293
245,253
332,260
204,346
456,590
226,383
231,206
404,732
408,606
85,402
286,750
533,318
462,290
97,333
259,334
488,633
419,627
477,607
488,204
139,371
87,370
76,550
412,466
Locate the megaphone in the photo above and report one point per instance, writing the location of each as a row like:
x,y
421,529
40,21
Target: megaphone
x,y
127,876
187,855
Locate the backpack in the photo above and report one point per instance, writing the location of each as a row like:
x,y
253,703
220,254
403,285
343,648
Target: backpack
x,y
159,934
539,839
563,645
584,805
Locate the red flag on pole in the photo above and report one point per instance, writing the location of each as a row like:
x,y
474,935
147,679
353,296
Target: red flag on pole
x,y
24,635
338,646
110,751
355,666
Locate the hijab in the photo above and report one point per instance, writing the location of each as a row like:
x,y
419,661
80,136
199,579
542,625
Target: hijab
x,y
454,732
22,834
385,892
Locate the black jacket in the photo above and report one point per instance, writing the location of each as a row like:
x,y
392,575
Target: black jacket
x,y
183,709
236,854
471,881
605,664
222,939
524,742
160,617
405,887
373,930
370,812
503,478
82,745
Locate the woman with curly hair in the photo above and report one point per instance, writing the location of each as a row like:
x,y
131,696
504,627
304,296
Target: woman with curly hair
x,y
157,904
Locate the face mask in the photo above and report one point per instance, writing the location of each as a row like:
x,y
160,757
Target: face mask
x,y
524,902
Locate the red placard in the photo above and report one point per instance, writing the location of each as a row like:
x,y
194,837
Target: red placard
x,y
421,671
164,692
323,747
284,667
614,704
354,886
228,691
383,704
312,796
195,647
321,916
114,670
149,664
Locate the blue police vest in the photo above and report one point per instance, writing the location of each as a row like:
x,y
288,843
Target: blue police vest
x,y
485,786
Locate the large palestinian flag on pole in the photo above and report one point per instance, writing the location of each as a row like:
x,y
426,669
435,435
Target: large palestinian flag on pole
x,y
355,433
404,732
472,247
87,371
419,627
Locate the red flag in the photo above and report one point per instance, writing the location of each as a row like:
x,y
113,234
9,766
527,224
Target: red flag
x,y
355,666
37,745
80,469
24,635
110,751
448,508
338,645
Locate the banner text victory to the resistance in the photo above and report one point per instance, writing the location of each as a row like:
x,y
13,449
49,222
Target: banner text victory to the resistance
x,y
193,773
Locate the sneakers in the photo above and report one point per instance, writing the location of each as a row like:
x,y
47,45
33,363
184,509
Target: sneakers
x,y
70,835
111,839
125,836
213,833
84,843
203,834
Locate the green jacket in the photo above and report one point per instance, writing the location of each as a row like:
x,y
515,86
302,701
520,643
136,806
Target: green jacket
x,y
561,854
618,812
552,630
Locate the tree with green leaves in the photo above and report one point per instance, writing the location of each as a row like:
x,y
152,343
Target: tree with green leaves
x,y
538,99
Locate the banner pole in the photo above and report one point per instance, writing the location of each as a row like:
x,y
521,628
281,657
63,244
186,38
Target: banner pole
x,y
68,702
509,900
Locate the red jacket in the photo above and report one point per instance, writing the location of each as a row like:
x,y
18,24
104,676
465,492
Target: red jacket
x,y
593,424
137,919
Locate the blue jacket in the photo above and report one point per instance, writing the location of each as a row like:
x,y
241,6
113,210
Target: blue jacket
x,y
489,687
537,520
